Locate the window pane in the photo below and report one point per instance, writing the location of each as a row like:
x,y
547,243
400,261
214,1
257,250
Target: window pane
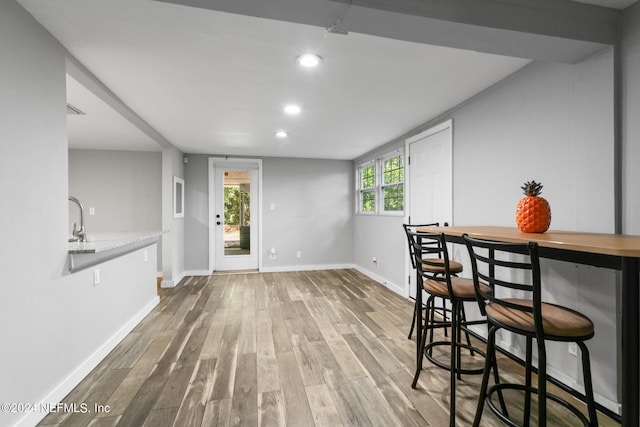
x,y
367,178
393,170
368,199
393,198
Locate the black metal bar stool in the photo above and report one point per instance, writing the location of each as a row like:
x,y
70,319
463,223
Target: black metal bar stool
x,y
433,251
508,268
456,291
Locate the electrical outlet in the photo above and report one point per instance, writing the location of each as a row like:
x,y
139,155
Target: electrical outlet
x,y
375,261
299,254
573,349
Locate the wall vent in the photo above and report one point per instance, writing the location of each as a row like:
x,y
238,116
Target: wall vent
x,y
74,110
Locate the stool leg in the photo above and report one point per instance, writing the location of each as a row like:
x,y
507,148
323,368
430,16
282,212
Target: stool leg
x,y
422,340
542,383
527,384
453,366
430,321
588,384
463,319
485,376
413,321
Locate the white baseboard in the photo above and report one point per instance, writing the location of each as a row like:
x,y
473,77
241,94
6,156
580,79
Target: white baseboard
x,y
174,281
400,290
306,268
68,384
197,273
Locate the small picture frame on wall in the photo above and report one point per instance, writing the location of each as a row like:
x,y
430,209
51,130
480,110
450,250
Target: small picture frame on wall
x,y
178,197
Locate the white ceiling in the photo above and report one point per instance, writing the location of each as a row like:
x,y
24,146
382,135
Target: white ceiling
x,y
215,83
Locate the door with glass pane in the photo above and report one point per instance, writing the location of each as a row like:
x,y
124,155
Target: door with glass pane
x,y
235,216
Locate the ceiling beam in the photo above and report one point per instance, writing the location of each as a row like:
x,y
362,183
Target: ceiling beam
x,y
547,30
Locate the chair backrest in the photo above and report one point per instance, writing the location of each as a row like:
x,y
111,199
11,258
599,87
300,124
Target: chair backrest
x,y
431,268
412,229
511,270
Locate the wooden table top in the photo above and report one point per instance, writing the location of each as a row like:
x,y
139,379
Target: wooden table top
x,y
608,244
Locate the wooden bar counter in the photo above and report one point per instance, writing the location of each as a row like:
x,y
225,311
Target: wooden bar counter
x,y
618,252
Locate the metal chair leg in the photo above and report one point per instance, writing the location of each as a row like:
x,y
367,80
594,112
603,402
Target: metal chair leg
x,y
485,376
588,384
413,321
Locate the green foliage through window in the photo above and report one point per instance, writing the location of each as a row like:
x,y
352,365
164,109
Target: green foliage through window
x,y
393,198
382,178
236,206
393,184
393,170
368,201
368,177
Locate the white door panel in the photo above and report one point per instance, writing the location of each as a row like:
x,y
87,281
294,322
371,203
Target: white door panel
x,y
430,195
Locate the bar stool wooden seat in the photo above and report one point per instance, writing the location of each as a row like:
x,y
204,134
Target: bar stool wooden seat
x,y
432,251
441,283
501,269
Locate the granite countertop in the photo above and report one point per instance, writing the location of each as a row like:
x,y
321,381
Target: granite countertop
x,y
101,247
100,242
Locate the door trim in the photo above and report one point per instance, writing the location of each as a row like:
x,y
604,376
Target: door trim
x,y
447,124
215,162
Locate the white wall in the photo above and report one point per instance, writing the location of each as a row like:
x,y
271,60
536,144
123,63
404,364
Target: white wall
x,y
51,323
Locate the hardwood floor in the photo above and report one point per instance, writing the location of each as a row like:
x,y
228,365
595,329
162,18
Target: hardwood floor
x,y
312,348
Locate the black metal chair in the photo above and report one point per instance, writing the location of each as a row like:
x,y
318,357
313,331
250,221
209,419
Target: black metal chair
x,y
514,268
433,251
436,278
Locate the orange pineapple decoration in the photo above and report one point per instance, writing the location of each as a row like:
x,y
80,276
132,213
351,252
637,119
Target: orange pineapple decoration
x,y
533,214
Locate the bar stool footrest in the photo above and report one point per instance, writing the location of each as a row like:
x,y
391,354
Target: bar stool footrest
x,y
509,386
447,365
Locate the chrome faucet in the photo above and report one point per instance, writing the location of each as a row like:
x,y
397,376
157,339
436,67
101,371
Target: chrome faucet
x,y
80,233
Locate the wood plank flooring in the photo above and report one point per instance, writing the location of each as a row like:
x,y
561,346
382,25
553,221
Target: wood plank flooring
x,y
312,348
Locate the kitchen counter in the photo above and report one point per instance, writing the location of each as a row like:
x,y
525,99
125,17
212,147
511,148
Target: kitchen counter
x,y
101,247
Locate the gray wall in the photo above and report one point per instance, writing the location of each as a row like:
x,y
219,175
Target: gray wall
x,y
631,112
53,325
313,212
313,202
548,122
196,214
173,244
124,188
552,123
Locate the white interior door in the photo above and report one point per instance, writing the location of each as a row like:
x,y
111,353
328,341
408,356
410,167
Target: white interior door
x,y
430,195
234,216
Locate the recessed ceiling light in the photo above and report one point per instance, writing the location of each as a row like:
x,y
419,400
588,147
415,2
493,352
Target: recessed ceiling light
x,y
281,134
292,109
309,60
